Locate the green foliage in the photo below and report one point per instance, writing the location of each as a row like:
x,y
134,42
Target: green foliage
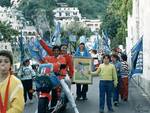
x,y
5,3
115,21
7,31
88,8
31,9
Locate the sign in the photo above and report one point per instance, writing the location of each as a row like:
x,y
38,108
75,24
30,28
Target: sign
x,y
82,66
5,46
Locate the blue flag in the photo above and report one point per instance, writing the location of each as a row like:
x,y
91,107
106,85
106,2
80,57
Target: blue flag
x,y
137,58
35,50
21,46
106,46
56,35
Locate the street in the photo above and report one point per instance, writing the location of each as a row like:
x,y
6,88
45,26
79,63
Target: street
x,y
137,103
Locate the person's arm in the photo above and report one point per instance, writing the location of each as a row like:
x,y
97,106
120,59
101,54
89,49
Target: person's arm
x,y
16,100
96,72
33,73
46,47
70,66
115,78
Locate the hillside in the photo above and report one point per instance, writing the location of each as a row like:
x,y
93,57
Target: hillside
x,y
88,8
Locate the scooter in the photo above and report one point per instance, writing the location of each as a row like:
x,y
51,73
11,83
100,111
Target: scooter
x,y
45,83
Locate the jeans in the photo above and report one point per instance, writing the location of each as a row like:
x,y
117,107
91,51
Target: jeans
x,y
116,91
105,88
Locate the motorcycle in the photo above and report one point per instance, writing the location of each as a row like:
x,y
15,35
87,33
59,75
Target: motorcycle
x,y
47,82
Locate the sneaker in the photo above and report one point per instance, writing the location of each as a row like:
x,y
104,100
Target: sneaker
x,y
85,98
125,100
116,104
101,112
111,110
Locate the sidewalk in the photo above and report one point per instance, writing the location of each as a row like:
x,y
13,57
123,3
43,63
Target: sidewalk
x,y
138,101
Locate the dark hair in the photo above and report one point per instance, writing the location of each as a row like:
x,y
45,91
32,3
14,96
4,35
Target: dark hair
x,y
115,56
56,47
94,51
25,61
124,57
7,54
108,56
82,44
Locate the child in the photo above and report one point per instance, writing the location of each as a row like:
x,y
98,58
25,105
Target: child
x,y
117,64
108,79
11,89
26,73
124,78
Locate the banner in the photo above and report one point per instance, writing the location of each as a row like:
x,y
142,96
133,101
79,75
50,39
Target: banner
x,y
56,35
137,58
35,49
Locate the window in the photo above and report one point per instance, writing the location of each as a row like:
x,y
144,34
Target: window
x,y
74,13
60,14
67,14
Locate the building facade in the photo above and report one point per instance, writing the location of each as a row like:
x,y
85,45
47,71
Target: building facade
x,y
138,26
66,15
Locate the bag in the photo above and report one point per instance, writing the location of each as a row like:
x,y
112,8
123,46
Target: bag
x,y
43,83
46,83
54,80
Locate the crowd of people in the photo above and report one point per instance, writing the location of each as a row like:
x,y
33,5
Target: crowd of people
x,y
112,70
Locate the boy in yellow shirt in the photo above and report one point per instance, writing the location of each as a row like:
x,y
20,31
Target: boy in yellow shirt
x,y
11,89
108,79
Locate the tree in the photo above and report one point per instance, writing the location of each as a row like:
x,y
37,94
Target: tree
x,y
76,29
7,31
115,21
5,3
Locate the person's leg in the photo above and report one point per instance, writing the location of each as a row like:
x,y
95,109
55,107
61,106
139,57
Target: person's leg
x,y
121,88
54,98
116,95
25,89
30,93
43,105
78,91
84,91
125,88
101,96
109,90
68,94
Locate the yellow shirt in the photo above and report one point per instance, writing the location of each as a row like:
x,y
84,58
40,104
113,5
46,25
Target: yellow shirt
x,y
15,96
106,72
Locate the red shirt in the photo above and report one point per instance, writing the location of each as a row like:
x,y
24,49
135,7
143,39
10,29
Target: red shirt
x,y
68,58
69,62
57,61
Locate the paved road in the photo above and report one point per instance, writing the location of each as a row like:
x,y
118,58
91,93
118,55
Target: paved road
x,y
138,101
